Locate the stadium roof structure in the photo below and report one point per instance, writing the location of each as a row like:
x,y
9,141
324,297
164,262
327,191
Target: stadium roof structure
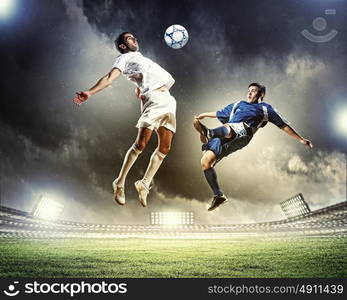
x,y
328,221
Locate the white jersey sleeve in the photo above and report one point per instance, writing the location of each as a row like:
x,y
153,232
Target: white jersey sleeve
x,y
145,73
120,63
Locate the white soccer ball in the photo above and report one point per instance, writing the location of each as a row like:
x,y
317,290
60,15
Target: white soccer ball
x,y
176,36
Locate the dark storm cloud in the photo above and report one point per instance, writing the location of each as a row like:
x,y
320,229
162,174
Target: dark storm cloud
x,y
56,48
248,28
31,60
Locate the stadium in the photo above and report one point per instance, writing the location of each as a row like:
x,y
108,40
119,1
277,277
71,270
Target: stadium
x,y
52,148
304,244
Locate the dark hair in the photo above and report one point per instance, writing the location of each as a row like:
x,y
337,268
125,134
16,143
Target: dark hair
x,y
262,89
120,40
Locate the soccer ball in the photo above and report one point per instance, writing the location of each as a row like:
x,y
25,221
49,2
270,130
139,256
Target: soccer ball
x,y
176,36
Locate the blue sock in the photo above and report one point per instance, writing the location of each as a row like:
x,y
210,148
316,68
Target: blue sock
x,y
219,132
211,177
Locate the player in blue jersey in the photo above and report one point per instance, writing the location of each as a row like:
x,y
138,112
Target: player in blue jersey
x,y
241,121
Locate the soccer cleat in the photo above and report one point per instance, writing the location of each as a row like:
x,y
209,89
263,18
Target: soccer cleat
x,y
202,129
217,201
118,192
143,191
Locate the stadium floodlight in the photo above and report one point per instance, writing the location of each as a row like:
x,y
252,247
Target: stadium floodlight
x,y
47,209
341,121
172,218
295,206
6,7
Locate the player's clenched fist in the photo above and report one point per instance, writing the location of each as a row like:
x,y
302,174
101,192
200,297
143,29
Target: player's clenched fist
x,y
139,95
307,143
81,97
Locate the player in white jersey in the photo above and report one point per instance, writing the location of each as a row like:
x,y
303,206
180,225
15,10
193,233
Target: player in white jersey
x,y
158,111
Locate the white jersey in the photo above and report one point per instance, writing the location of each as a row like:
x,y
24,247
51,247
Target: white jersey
x,y
145,73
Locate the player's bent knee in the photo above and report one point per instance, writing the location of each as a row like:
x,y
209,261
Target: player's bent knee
x,y
205,164
139,146
164,149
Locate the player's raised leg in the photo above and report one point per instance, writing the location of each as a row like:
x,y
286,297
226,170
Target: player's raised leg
x,y
207,161
205,133
143,136
224,131
202,129
142,186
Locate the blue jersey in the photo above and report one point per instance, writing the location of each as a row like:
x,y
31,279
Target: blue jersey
x,y
255,115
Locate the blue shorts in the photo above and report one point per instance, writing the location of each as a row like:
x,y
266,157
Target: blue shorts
x,y
222,147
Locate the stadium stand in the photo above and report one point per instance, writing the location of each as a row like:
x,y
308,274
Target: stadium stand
x,y
328,221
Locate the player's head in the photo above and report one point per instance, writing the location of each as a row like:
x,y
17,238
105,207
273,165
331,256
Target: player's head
x,y
126,42
256,92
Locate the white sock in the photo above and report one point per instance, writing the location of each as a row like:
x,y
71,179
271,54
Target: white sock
x,y
129,159
153,166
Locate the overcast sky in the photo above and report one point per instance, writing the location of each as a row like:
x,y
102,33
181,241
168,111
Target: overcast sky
x,y
51,49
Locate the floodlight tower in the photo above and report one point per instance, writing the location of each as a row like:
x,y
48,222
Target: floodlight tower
x,y
47,208
171,218
295,206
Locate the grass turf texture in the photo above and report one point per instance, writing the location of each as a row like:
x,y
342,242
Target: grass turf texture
x,y
135,258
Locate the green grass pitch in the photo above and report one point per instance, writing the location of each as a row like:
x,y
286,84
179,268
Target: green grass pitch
x,y
174,258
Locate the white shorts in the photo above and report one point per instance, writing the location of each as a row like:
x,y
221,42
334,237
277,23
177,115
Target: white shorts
x,y
158,110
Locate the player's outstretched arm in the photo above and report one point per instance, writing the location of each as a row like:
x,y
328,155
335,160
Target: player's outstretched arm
x,y
102,83
289,130
211,114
